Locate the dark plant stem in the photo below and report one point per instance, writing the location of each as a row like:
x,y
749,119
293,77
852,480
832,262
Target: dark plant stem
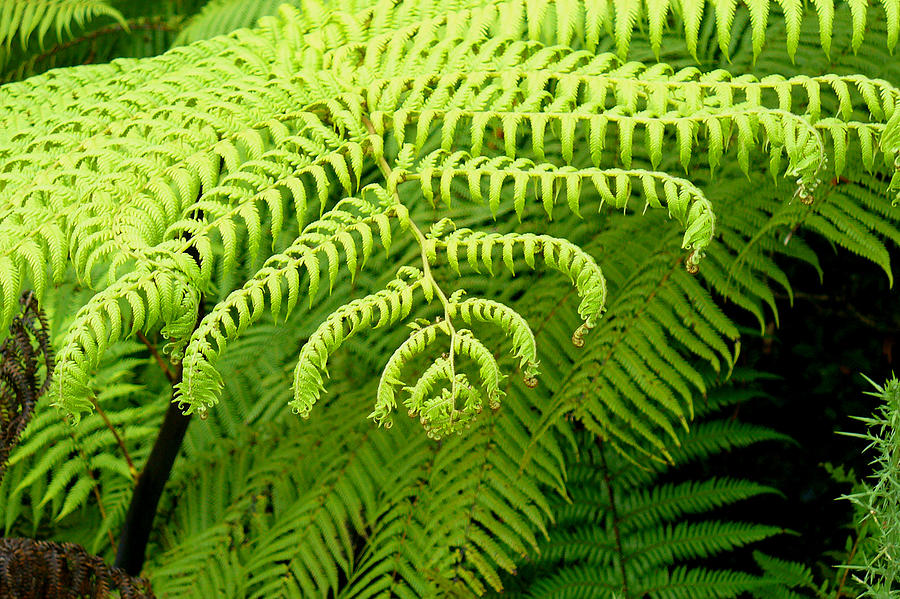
x,y
121,443
156,356
132,547
150,483
615,521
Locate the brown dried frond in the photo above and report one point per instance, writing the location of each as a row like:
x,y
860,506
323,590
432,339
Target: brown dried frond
x,y
32,569
20,388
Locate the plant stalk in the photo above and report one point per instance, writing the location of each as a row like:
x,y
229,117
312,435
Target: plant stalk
x,y
150,483
131,552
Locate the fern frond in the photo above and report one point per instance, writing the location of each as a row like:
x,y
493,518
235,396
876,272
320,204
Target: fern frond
x,y
295,531
23,19
139,301
33,568
507,320
557,254
219,17
591,24
321,239
632,530
390,305
614,186
57,471
310,120
625,389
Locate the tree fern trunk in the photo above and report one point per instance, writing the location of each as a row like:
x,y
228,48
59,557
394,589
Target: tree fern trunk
x,y
142,510
132,548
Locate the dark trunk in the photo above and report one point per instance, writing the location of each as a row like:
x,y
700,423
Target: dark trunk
x,y
150,483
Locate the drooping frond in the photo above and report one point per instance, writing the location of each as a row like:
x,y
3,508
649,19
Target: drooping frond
x,y
279,281
140,300
635,379
613,186
386,307
616,23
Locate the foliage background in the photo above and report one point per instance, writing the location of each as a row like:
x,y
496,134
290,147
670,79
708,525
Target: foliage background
x,y
331,517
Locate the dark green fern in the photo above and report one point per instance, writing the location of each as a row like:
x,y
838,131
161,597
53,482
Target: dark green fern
x,y
624,530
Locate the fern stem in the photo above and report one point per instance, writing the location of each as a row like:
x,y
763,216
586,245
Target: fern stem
x,y
427,277
615,520
138,524
119,441
159,360
157,23
95,490
148,490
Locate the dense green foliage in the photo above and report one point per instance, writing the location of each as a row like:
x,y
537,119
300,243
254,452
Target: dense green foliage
x,y
578,207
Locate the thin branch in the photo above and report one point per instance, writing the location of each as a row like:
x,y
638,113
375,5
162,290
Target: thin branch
x,y
112,429
95,488
159,359
840,589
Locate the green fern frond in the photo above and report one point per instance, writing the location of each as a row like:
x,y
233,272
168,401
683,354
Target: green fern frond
x,y
625,389
614,186
590,24
507,320
389,305
142,35
138,302
280,281
557,254
24,18
231,176
57,471
786,576
632,530
220,17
